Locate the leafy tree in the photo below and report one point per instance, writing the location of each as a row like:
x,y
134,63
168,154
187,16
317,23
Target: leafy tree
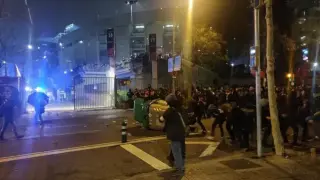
x,y
208,50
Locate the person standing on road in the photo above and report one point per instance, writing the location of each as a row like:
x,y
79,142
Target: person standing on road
x,y
38,100
9,101
199,112
175,128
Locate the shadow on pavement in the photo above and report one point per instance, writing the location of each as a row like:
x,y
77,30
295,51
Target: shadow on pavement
x,y
170,175
141,132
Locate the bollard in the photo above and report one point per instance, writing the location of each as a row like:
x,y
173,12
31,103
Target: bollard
x,y
124,131
313,152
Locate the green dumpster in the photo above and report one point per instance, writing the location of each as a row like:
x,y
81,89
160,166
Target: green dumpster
x,y
140,112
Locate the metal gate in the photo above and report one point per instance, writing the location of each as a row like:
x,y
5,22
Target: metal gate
x,y
94,93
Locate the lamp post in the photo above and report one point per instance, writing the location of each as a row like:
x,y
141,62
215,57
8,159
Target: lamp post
x,y
257,4
131,3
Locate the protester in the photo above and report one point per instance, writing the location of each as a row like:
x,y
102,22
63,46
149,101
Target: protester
x,y
175,127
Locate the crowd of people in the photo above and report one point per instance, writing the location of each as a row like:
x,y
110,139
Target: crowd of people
x,y
236,108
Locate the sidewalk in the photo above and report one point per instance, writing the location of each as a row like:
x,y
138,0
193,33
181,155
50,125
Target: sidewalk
x,y
239,167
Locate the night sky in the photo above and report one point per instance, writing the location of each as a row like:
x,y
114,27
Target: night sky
x,y
234,20
51,16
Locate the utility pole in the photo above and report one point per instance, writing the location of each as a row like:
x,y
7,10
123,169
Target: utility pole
x,y
257,5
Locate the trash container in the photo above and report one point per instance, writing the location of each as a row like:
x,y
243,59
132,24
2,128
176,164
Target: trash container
x,y
155,111
140,112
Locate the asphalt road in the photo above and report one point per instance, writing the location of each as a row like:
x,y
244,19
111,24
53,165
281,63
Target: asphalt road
x,y
87,146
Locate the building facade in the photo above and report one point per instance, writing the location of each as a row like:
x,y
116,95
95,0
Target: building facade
x,y
132,30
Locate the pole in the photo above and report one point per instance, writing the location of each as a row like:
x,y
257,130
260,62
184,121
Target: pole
x,y
314,75
131,14
258,80
174,57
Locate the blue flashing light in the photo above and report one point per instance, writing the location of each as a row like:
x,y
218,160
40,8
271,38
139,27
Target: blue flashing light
x,y
28,89
40,89
305,51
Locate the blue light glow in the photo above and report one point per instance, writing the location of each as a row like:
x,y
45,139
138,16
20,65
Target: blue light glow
x,y
65,72
28,89
40,89
44,57
305,51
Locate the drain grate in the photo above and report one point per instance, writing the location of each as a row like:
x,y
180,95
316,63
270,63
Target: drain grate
x,y
238,164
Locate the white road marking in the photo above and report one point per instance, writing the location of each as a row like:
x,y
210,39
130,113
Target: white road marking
x,y
62,134
108,116
54,126
152,161
198,142
210,149
74,149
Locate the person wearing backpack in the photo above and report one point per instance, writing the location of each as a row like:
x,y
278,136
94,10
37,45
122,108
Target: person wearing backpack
x,y
175,129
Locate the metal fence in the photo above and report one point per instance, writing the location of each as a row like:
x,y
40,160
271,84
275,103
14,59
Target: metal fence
x,y
94,93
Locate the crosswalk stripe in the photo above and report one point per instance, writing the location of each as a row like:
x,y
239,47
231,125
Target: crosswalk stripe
x,y
152,161
73,149
210,149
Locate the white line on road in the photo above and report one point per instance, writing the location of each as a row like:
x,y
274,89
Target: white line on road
x,y
152,161
198,143
210,149
62,134
74,149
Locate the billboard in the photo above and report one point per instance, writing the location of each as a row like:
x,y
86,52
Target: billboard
x,y
252,57
153,46
110,42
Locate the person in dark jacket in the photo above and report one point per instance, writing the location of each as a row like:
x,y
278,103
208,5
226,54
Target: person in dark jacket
x,y
240,125
220,118
9,100
175,127
38,100
199,112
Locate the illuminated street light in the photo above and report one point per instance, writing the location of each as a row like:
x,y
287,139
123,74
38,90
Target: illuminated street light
x,y
44,57
60,44
81,42
4,62
65,72
289,75
315,64
232,64
131,3
30,46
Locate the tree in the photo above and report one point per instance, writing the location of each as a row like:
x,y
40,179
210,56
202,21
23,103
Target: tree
x,y
208,50
277,138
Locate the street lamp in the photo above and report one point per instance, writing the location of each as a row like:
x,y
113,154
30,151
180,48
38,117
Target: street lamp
x,y
232,64
30,46
315,64
289,75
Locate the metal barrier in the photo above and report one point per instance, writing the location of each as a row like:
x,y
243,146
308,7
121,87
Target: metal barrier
x,y
94,93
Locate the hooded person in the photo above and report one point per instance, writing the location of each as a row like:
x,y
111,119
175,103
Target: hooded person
x,y
175,127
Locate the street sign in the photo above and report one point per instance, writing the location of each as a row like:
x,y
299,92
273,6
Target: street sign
x,y
170,65
252,57
177,63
